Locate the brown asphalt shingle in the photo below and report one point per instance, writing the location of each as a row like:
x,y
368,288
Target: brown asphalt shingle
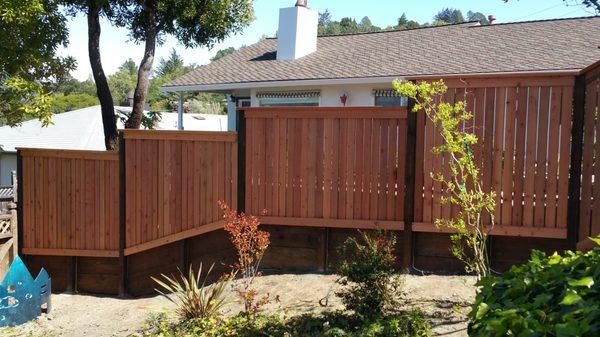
x,y
562,44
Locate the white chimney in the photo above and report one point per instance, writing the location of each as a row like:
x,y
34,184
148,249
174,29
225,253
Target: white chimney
x,y
297,34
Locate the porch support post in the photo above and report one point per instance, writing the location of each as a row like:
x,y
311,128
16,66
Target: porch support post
x,y
231,113
180,112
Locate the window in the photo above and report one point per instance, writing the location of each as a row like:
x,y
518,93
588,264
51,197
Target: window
x,y
389,97
289,98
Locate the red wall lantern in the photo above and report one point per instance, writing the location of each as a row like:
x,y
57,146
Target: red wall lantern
x,y
343,99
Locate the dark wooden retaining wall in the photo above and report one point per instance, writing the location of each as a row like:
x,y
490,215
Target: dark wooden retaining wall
x,y
292,250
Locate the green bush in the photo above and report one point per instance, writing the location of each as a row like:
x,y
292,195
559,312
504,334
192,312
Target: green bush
x,y
64,103
368,273
411,324
547,296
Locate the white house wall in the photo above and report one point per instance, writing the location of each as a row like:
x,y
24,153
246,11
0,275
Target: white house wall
x,y
358,94
8,163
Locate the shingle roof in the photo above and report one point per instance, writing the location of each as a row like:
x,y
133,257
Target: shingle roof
x,y
560,44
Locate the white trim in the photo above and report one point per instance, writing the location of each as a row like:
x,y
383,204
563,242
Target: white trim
x,y
279,84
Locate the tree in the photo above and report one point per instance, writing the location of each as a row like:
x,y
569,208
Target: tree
x,y
30,33
193,22
172,65
122,81
477,16
449,16
222,53
404,23
93,9
463,186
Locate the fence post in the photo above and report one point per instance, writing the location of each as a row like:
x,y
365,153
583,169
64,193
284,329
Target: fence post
x,y
12,209
409,183
20,182
573,222
122,216
241,169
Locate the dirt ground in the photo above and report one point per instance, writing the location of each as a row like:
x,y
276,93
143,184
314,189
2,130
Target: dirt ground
x,y
445,300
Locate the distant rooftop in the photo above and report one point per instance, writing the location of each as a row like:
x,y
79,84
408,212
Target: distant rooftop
x,y
468,48
82,130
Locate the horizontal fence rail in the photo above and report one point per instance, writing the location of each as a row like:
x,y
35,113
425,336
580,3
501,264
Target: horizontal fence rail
x,y
174,180
70,202
524,129
589,222
337,167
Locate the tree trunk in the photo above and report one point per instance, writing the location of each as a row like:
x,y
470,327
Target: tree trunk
x,y
141,89
111,139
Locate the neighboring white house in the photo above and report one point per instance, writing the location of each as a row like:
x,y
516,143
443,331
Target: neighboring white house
x,y
299,68
81,130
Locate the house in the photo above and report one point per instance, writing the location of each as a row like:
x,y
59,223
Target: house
x,y
81,130
299,68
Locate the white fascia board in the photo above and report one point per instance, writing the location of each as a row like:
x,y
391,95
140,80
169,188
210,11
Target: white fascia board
x,y
280,84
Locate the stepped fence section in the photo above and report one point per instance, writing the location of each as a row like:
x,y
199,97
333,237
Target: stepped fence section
x,y
331,167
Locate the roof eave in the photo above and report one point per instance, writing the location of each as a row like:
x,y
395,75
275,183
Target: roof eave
x,y
277,84
223,87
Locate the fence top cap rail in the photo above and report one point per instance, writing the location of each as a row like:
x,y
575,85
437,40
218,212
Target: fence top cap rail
x,y
73,154
326,112
214,136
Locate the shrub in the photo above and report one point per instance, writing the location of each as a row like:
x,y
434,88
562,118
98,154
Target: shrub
x,y
463,187
547,296
367,273
192,296
64,103
250,244
409,324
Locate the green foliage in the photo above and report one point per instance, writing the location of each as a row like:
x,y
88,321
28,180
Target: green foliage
x,y
70,85
192,295
547,296
63,103
449,16
122,82
194,23
208,104
30,33
409,324
367,273
462,188
222,53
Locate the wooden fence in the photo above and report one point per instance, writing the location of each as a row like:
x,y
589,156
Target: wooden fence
x,y
8,238
589,221
164,188
335,167
173,183
70,202
524,128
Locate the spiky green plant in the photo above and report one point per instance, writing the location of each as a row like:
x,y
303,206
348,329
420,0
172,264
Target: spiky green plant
x,y
192,295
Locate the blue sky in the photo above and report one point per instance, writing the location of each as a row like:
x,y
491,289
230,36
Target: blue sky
x,y
116,47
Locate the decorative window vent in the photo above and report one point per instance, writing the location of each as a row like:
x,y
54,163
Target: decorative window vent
x,y
289,94
386,93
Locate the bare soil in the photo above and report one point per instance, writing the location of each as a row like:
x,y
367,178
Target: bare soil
x,y
444,299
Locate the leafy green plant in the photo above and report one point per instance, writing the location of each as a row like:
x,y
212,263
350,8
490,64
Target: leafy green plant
x,y
333,324
192,295
557,295
463,188
367,273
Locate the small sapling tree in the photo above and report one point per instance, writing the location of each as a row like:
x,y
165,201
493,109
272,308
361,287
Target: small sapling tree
x,y
463,187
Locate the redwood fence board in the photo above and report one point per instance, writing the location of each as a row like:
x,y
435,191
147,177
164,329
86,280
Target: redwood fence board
x,y
589,221
338,167
318,167
175,180
523,129
66,213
